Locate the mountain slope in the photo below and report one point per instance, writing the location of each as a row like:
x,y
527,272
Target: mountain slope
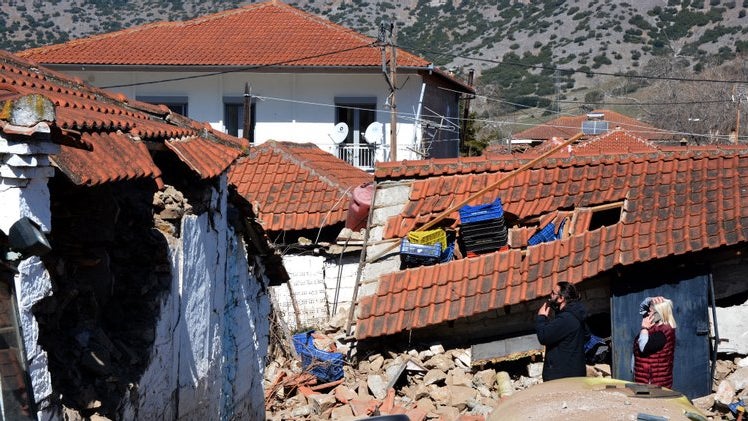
x,y
530,53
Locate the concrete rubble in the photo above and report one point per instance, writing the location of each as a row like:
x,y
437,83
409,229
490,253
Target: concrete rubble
x,y
427,384
435,384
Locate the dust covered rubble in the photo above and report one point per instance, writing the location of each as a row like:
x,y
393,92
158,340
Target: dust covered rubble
x,y
427,384
730,387
438,384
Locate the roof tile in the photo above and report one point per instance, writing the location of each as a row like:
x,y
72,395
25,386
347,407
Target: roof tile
x,y
289,38
296,185
111,131
659,220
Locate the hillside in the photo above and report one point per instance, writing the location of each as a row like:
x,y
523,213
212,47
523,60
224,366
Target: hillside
x,y
547,55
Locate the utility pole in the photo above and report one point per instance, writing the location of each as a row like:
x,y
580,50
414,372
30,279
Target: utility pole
x,y
466,112
247,123
390,75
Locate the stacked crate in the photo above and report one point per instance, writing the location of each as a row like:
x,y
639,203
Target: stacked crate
x,y
422,248
482,227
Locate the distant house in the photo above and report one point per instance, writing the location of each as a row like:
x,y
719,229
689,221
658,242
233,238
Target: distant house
x,y
152,303
592,124
306,75
615,141
302,195
621,226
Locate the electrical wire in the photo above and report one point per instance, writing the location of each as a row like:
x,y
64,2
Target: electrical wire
x,y
241,69
559,69
411,117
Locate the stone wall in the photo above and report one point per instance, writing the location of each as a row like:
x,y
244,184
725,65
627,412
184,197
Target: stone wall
x,y
212,337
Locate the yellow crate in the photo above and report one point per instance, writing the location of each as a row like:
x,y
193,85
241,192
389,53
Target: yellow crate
x,y
429,237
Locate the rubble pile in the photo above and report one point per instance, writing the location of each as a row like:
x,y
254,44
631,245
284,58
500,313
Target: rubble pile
x,y
731,390
428,384
436,384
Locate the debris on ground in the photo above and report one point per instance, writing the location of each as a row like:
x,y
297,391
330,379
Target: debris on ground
x,y
434,384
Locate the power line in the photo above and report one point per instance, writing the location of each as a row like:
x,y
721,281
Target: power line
x,y
241,69
586,72
716,101
412,117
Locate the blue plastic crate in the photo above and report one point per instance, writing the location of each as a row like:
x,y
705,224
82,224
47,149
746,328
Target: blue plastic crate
x,y
548,233
326,366
414,260
448,253
421,250
471,214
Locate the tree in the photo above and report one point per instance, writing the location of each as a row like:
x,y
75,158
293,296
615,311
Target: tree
x,y
702,112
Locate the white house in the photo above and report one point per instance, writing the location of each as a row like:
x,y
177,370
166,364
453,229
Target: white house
x,y
305,74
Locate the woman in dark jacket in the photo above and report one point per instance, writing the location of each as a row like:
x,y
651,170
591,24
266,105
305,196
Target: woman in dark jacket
x,y
654,347
564,334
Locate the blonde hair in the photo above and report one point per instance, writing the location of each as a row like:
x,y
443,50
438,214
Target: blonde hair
x,y
665,309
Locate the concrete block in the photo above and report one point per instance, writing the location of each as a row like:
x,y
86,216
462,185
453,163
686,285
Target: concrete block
x,y
733,325
393,194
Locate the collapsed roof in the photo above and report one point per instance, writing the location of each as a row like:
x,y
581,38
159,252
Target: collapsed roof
x,y
666,203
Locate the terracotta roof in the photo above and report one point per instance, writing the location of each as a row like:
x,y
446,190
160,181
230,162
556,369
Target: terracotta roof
x,y
674,202
567,126
104,137
260,34
296,185
618,141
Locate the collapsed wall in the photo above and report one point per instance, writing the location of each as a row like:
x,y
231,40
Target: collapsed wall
x,y
151,318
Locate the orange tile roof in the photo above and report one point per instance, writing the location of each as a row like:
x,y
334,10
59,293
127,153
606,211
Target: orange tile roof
x,y
296,185
567,126
109,132
675,201
618,141
261,34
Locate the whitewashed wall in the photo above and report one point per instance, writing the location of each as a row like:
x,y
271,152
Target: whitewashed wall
x,y
314,280
211,342
24,172
296,107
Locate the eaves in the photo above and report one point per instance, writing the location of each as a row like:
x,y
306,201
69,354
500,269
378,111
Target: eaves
x,y
249,68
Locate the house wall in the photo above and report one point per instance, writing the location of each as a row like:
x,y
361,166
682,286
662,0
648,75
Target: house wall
x,y
24,172
297,107
314,281
212,339
731,293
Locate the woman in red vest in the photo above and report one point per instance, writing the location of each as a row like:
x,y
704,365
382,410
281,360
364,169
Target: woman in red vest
x,y
654,347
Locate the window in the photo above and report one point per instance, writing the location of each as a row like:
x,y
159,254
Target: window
x,y
233,117
357,113
177,104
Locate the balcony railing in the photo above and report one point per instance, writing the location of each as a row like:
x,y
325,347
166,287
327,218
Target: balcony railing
x,y
361,156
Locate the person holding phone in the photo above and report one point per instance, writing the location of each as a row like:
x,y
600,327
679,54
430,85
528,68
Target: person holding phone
x,y
654,346
563,334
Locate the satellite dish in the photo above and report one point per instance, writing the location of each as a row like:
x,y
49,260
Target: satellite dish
x,y
339,132
374,134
